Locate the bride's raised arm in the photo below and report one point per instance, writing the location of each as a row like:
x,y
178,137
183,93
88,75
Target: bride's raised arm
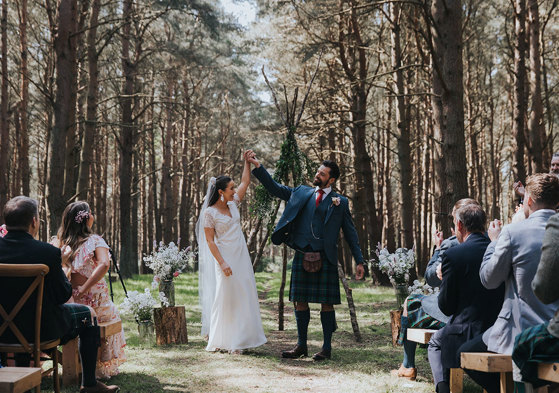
x,y
245,180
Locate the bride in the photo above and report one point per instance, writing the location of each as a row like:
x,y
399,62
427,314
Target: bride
x,y
227,289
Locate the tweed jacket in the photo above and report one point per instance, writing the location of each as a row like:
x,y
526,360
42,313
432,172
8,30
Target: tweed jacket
x,y
545,281
513,259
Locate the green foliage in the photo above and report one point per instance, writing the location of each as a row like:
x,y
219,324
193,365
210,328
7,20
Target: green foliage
x,y
291,169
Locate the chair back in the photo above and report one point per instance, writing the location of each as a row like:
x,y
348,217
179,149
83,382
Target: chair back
x,y
38,272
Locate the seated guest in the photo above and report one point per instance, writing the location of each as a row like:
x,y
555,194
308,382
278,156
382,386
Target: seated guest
x,y
472,307
59,320
512,258
422,311
540,343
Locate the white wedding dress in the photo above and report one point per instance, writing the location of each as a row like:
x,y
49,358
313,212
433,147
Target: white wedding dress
x,y
235,314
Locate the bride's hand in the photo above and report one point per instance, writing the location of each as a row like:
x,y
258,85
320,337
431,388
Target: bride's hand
x,y
226,269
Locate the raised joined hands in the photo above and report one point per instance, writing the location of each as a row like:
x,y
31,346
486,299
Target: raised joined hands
x,y
250,157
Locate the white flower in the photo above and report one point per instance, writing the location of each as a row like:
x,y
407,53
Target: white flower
x,y
163,299
396,265
168,259
139,305
336,201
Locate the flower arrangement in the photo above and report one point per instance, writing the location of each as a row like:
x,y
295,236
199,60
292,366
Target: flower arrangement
x,y
3,230
168,261
421,288
140,305
396,265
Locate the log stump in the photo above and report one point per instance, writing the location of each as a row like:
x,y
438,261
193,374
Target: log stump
x,y
395,324
170,325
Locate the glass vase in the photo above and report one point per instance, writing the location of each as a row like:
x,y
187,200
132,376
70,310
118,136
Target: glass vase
x,y
401,291
145,331
168,289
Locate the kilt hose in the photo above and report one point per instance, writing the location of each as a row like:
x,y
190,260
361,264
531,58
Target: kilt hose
x,y
320,287
535,345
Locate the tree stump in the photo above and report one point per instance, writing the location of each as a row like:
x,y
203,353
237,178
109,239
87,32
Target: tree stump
x,y
170,325
395,324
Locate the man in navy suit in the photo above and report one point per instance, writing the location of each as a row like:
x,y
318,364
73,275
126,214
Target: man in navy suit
x,y
472,307
59,319
311,222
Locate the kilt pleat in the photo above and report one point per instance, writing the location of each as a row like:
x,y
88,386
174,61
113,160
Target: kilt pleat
x,y
535,345
320,287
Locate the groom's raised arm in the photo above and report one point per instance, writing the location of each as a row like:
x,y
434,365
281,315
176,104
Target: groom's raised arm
x,y
274,188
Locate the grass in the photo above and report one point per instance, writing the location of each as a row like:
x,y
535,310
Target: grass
x,y
355,367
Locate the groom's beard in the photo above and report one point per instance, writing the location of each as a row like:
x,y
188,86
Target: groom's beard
x,y
318,182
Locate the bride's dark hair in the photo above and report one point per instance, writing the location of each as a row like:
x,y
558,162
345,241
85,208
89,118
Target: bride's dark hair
x,y
221,183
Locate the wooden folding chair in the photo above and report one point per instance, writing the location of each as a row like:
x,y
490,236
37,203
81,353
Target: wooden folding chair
x,y
38,271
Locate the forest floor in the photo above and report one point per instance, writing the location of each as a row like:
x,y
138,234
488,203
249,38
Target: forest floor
x,y
355,367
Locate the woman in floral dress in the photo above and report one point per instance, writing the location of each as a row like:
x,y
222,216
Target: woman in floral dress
x,y
86,260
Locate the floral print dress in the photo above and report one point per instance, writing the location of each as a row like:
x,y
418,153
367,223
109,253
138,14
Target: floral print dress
x,y
111,354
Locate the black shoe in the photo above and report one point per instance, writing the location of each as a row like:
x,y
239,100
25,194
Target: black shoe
x,y
296,352
322,355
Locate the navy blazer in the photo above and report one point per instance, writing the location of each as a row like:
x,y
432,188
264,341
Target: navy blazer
x,y
473,307
19,247
337,217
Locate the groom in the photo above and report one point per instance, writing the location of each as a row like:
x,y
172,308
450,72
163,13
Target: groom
x,y
310,223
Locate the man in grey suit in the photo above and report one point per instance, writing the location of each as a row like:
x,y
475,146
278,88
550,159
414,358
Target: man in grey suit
x,y
512,258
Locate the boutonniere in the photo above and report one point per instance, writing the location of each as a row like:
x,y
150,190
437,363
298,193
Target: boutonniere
x,y
336,201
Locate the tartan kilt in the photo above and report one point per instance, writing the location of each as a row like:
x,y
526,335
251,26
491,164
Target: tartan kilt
x,y
320,287
418,318
535,345
79,316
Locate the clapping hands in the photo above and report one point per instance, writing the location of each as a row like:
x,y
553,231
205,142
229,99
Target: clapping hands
x,y
494,229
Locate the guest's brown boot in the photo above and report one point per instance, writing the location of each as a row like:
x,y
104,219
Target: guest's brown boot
x,y
322,355
403,372
295,353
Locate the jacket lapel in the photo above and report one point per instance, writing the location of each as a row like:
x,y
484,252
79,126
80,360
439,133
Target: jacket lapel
x,y
331,206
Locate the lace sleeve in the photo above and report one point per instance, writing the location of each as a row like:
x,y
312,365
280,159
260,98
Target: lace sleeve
x,y
209,221
236,199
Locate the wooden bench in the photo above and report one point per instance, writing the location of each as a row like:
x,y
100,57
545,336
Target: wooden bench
x,y
19,379
491,363
549,372
71,368
422,336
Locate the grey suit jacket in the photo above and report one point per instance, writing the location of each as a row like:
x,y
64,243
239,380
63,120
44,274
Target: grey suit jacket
x,y
545,282
513,259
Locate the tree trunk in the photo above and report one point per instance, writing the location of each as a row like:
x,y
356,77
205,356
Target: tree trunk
x,y
4,125
64,109
402,121
129,266
519,98
166,170
89,145
536,127
24,97
446,32
351,305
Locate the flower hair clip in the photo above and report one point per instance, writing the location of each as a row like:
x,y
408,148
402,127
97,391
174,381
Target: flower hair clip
x,y
212,181
82,214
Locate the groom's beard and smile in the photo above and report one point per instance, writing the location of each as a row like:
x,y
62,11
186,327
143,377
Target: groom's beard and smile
x,y
320,183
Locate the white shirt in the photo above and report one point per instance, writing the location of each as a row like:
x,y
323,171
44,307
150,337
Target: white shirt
x,y
326,192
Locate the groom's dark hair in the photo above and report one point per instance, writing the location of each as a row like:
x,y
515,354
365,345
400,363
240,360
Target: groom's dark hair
x,y
334,168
